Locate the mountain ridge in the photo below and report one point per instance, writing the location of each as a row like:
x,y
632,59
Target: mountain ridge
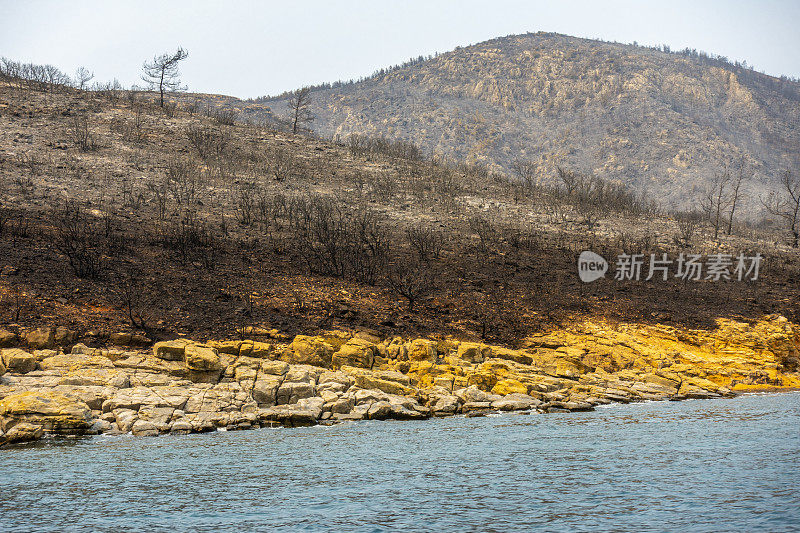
x,y
665,123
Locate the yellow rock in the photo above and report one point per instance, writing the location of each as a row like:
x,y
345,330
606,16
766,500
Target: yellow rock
x,y
474,352
509,386
202,358
368,380
229,347
19,361
356,352
170,350
307,350
421,350
55,413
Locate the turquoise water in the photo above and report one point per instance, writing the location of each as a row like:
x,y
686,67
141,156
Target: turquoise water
x,y
699,465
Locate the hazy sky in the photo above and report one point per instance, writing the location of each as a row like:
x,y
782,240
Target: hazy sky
x,y
249,49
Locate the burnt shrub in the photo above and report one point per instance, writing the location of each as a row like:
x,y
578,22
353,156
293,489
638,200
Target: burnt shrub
x,y
82,239
336,239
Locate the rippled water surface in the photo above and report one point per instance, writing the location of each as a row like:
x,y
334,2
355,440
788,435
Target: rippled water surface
x,y
701,465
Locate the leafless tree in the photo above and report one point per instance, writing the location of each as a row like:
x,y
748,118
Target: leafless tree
x,y
785,204
525,170
744,173
410,278
716,199
83,77
427,242
299,109
162,74
131,291
81,134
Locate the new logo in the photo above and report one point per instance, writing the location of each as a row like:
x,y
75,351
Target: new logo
x,y
591,266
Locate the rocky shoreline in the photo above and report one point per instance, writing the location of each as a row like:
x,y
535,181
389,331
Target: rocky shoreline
x,y
51,384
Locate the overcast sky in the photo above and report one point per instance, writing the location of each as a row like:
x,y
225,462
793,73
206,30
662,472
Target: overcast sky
x,y
249,49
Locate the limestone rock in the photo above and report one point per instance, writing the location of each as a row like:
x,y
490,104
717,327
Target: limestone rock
x,y
19,361
22,432
54,412
39,338
356,352
170,350
201,358
7,338
143,428
421,350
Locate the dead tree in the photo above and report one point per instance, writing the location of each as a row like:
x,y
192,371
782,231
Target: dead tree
x,y
785,204
716,199
162,74
83,77
525,170
736,191
299,109
410,278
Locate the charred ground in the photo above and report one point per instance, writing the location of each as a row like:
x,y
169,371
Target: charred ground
x,y
119,214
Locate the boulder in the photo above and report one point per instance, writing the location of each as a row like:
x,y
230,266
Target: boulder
x,y
306,350
357,353
18,361
7,338
445,405
512,355
287,415
201,358
262,350
474,352
369,335
229,347
509,386
180,427
368,380
265,389
516,402
474,394
159,416
342,405
421,350
120,339
39,338
64,336
22,432
276,368
170,350
380,410
291,392
125,418
143,428
476,406
54,412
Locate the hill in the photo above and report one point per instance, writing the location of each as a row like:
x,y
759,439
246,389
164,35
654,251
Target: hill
x,y
116,213
665,123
